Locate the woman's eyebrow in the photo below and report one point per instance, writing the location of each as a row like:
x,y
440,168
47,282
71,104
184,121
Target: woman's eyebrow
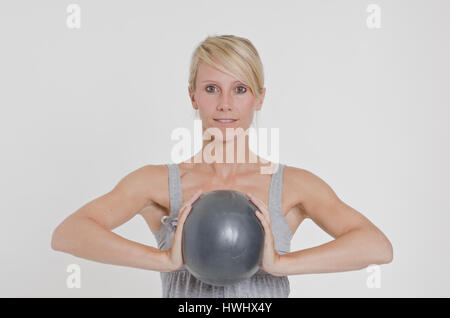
x,y
219,83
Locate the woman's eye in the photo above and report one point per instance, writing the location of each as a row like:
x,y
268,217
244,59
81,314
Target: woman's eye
x,y
244,89
239,89
209,90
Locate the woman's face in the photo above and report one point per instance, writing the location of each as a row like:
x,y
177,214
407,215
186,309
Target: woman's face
x,y
221,96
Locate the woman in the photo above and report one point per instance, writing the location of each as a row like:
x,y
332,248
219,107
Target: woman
x,y
226,87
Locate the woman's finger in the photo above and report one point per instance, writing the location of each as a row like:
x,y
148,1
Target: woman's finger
x,y
186,208
192,199
195,196
268,236
263,221
261,206
184,212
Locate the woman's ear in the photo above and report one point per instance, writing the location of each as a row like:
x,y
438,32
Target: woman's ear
x,y
260,100
192,98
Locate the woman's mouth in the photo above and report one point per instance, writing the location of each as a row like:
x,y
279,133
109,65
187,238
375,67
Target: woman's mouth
x,y
225,121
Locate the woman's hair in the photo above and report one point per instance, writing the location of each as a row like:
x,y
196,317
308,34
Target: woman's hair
x,y
233,55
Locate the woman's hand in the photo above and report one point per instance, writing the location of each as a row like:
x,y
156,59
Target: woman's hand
x,y
174,253
271,258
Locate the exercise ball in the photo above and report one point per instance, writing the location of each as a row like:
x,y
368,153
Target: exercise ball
x,y
223,239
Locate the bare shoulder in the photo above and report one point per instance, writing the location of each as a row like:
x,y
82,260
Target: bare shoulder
x,y
149,181
305,187
302,178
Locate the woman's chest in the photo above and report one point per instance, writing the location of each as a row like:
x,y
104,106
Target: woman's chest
x,y
260,186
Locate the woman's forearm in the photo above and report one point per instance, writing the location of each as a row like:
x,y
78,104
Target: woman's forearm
x,y
354,250
83,237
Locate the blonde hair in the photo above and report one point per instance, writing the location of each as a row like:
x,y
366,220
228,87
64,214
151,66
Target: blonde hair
x,y
233,55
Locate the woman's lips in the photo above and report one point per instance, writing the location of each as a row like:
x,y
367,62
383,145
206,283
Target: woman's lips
x,y
225,122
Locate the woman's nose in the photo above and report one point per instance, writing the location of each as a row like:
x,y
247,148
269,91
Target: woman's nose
x,y
223,107
225,102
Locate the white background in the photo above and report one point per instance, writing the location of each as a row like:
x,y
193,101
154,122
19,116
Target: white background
x,y
366,110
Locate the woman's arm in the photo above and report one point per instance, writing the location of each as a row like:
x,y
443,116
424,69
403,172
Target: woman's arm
x,y
358,243
85,238
87,233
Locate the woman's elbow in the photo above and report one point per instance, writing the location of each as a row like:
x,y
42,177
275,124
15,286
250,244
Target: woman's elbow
x,y
389,253
385,252
57,239
62,236
377,248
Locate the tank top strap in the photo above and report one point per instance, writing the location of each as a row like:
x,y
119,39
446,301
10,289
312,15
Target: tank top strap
x,y
175,192
276,188
280,228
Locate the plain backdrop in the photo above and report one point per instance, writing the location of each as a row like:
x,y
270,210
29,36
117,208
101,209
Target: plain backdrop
x,y
366,109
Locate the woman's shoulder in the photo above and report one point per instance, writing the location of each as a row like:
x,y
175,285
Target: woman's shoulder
x,y
293,171
297,182
304,185
153,178
299,177
153,171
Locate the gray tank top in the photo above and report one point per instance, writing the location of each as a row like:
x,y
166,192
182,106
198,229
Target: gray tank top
x,y
181,283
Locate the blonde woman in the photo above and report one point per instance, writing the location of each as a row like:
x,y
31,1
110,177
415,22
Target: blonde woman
x,y
226,87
